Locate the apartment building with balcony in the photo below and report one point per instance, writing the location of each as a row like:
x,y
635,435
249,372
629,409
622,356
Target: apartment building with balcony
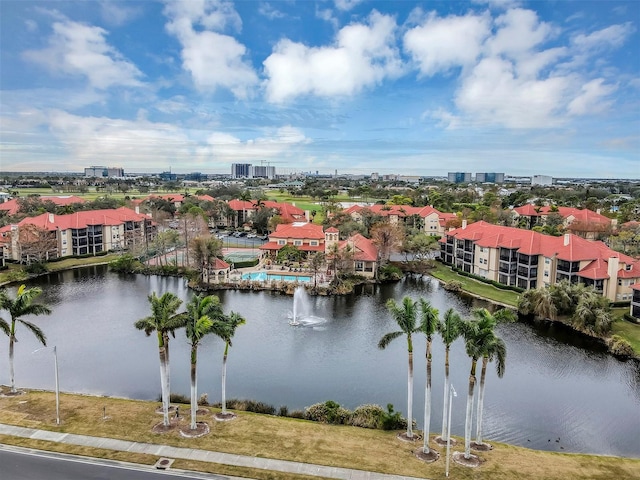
x,y
50,236
528,259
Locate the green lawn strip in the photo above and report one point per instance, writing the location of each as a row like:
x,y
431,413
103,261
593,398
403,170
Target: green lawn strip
x,y
297,440
475,287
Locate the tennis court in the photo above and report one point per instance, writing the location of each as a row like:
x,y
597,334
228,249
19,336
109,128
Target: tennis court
x,y
238,256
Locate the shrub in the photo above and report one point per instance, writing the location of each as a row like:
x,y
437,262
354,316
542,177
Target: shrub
x,y
204,399
328,412
393,420
389,273
453,286
36,268
249,406
283,411
297,414
368,416
125,263
619,346
178,398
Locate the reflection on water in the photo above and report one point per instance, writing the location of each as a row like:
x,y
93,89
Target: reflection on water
x,y
557,385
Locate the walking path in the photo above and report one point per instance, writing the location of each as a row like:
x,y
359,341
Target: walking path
x,y
199,455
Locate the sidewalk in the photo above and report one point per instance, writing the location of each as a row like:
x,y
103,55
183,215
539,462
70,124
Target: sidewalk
x,y
199,455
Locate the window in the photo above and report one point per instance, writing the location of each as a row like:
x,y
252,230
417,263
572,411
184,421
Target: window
x,y
297,243
619,282
282,242
546,274
547,261
313,243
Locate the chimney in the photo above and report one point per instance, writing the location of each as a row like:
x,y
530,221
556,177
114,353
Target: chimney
x,y
138,209
464,224
598,211
51,218
567,239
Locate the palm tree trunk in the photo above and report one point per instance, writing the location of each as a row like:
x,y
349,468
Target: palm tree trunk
x,y
164,384
194,386
427,401
485,361
410,397
168,368
445,403
224,379
469,415
12,376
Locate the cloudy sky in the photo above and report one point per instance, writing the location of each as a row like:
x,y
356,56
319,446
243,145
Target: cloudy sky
x,y
408,87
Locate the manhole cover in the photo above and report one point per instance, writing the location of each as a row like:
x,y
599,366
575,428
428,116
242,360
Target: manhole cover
x,y
164,463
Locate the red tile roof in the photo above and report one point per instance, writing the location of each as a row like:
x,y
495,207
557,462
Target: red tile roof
x,y
49,221
364,249
287,211
298,231
583,215
220,264
568,247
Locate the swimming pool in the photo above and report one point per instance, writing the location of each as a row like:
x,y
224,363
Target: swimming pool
x,y
264,276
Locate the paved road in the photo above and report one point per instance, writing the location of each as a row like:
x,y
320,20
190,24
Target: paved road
x,y
27,464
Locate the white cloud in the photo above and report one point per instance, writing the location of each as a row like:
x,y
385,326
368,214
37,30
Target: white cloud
x,y
518,32
213,59
363,55
81,50
267,10
117,13
610,37
31,25
117,141
499,4
346,5
591,98
439,44
493,94
224,147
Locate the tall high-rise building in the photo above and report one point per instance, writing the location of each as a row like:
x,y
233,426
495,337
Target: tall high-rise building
x,y
103,172
490,177
241,170
459,177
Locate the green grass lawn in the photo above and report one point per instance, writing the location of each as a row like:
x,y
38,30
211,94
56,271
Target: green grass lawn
x,y
446,274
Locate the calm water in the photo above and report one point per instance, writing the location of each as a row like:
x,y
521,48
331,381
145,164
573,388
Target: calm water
x,y
555,386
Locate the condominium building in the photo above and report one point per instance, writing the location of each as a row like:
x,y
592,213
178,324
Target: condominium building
x,y
50,236
528,259
459,177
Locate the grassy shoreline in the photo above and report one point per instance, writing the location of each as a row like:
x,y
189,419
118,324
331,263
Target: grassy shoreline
x,y
288,439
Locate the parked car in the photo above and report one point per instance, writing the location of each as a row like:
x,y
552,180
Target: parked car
x,y
251,235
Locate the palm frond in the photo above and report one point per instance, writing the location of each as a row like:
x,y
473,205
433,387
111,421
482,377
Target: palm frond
x,y
387,338
4,326
39,334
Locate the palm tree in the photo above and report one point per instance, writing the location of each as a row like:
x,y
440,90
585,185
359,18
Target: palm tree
x,y
429,325
163,320
202,312
405,317
450,330
19,307
226,333
493,348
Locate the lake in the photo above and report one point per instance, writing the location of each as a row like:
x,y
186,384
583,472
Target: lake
x,y
558,385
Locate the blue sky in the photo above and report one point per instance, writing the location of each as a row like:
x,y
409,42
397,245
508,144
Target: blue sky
x,y
407,87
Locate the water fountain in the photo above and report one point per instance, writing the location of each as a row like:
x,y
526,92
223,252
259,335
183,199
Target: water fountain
x,y
301,310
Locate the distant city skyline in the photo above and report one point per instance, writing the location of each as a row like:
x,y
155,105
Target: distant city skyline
x,y
411,88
